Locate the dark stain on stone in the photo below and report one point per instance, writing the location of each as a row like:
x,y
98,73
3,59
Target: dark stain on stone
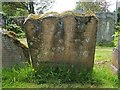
x,y
60,39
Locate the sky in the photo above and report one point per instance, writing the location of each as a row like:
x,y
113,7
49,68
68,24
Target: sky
x,y
64,5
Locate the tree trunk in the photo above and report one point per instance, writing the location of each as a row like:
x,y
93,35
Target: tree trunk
x,y
31,8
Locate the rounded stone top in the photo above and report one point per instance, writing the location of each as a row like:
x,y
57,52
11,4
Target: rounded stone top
x,y
56,14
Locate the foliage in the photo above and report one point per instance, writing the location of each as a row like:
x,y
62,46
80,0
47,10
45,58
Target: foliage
x,y
11,25
17,29
118,20
23,8
12,8
93,5
116,34
117,29
43,5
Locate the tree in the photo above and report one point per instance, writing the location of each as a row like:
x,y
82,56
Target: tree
x,y
94,6
10,8
43,5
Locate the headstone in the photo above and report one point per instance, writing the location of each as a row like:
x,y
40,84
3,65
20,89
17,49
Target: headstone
x,y
119,54
13,51
105,28
66,38
116,58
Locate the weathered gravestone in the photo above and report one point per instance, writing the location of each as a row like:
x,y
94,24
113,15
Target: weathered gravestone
x,y
119,61
13,51
116,58
119,55
62,38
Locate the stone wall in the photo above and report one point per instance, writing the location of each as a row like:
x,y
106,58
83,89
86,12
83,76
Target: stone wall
x,y
62,38
13,52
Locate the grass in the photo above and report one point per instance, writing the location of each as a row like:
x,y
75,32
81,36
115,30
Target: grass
x,y
101,77
49,77
103,53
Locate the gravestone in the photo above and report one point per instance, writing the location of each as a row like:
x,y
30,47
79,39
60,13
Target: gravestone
x,y
115,62
0,60
13,51
105,28
119,61
62,38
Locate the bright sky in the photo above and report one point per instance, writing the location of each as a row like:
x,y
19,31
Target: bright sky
x,y
64,5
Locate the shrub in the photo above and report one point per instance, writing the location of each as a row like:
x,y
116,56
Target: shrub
x,y
17,29
11,25
116,34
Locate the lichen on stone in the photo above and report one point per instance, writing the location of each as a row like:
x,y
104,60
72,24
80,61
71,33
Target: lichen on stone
x,y
72,13
63,36
50,14
66,13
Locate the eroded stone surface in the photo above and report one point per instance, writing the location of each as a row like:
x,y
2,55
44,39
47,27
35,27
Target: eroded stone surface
x,y
13,52
119,54
115,57
115,62
66,38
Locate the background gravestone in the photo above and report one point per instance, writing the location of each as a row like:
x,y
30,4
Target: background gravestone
x,y
119,60
115,62
105,28
13,52
66,38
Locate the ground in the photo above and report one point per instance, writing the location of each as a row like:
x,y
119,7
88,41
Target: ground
x,y
103,74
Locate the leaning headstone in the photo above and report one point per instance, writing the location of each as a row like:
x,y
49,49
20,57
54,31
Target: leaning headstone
x,y
62,38
119,54
114,60
13,51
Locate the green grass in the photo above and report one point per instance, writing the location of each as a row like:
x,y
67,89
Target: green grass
x,y
103,53
50,77
24,78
